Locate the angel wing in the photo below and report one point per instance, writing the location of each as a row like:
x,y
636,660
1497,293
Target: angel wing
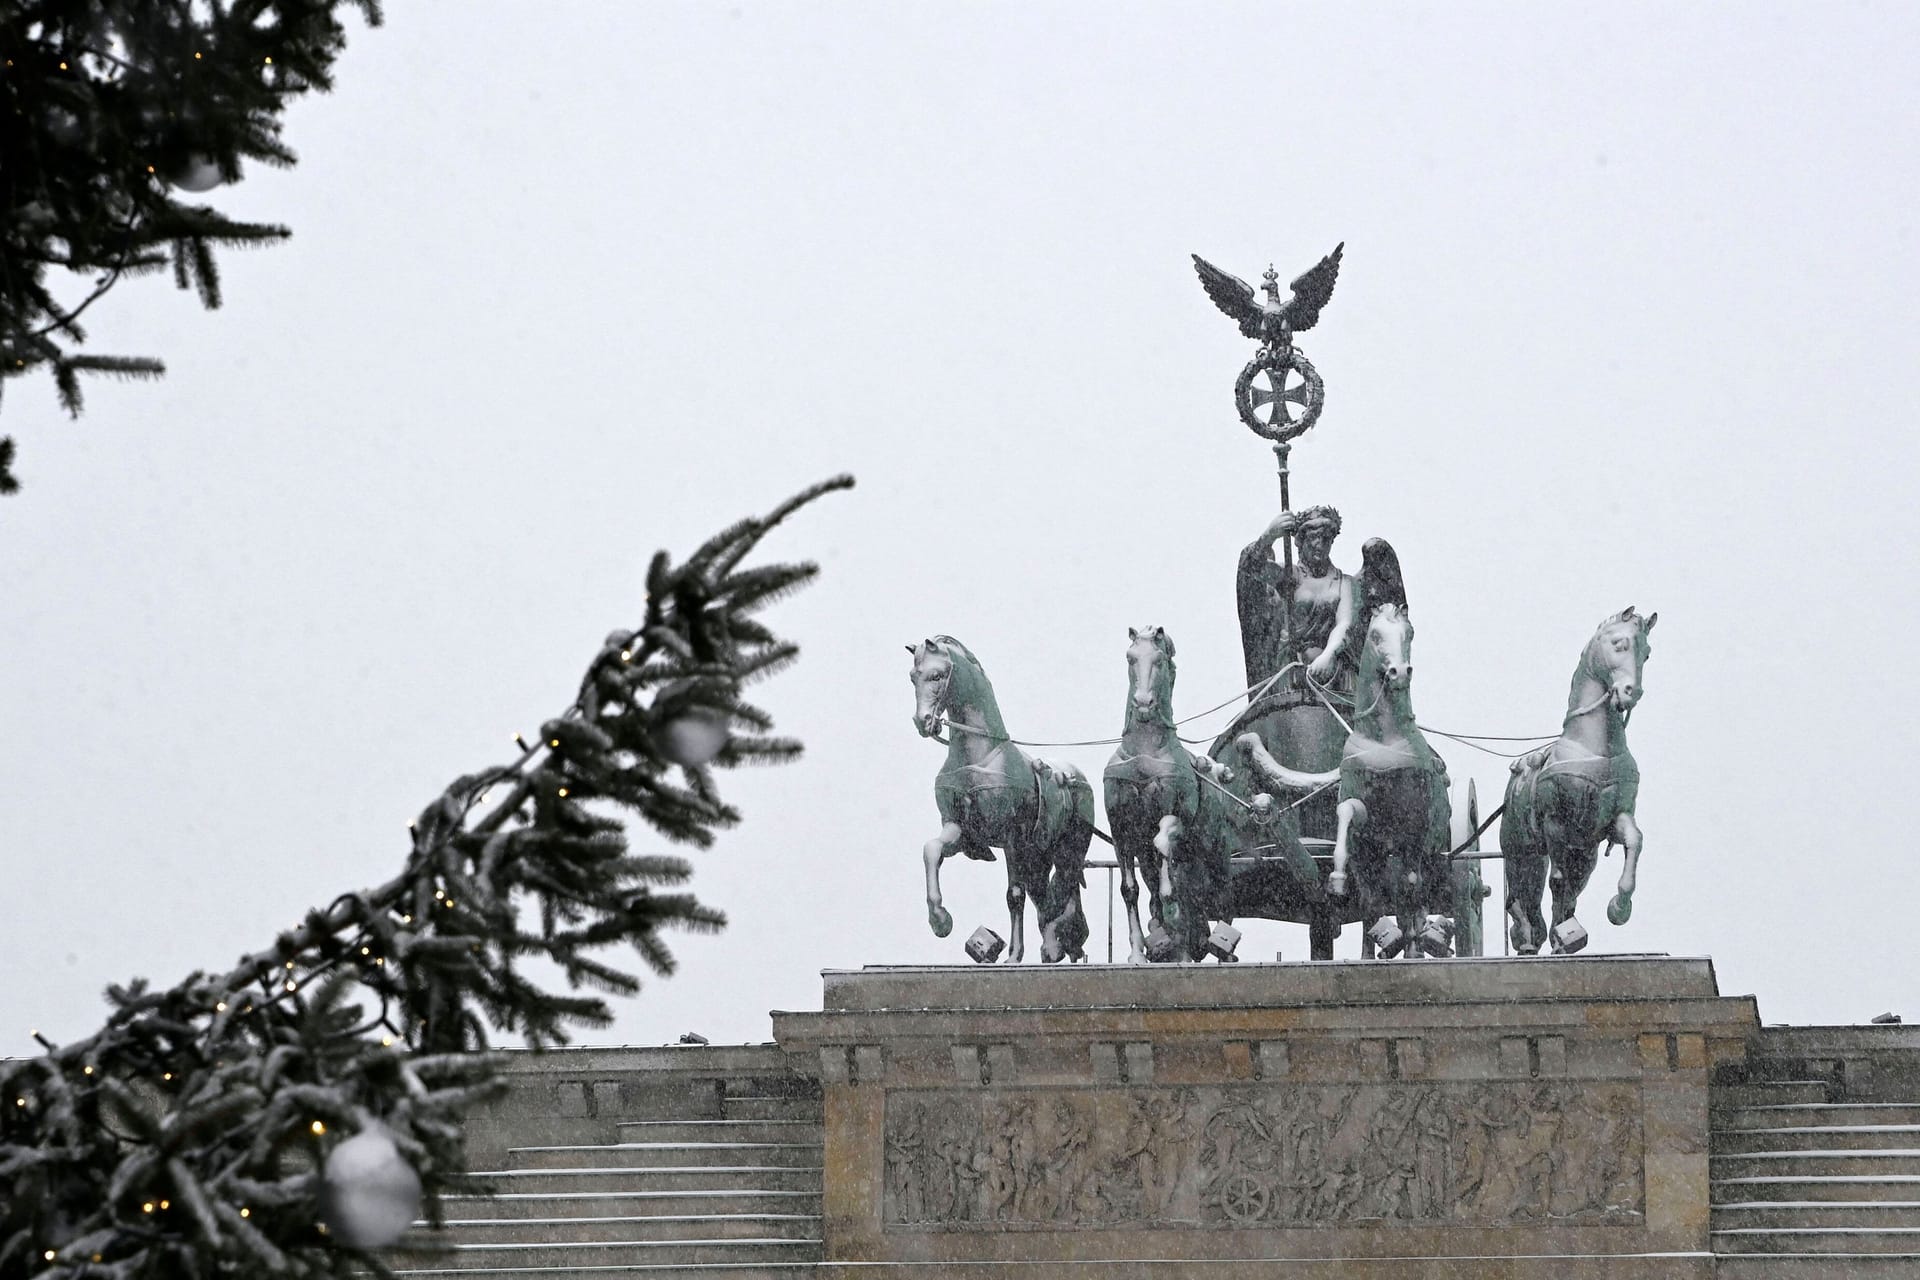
x,y
1380,580
1233,295
1310,291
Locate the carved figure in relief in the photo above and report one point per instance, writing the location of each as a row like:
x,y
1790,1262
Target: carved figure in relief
x,y
995,1164
956,1159
1387,1162
905,1175
1433,1148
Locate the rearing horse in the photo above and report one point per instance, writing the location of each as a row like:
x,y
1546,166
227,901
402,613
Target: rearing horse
x,y
1564,798
1170,813
991,793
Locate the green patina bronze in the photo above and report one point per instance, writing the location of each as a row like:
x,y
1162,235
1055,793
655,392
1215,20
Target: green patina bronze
x,y
1566,797
1296,621
1394,821
1174,816
993,795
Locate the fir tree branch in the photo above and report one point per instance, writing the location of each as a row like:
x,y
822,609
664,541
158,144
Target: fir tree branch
x,y
221,1095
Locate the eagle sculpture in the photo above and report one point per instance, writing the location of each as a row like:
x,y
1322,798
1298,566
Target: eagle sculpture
x,y
1270,320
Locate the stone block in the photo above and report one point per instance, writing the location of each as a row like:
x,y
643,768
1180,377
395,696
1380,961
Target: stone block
x,y
1106,1061
1553,1055
1410,1056
1690,1051
1569,936
1436,936
606,1097
1239,1059
1000,1063
1273,1060
1516,1058
1653,1051
1373,1059
985,946
572,1097
967,1062
835,1065
1137,1057
868,1065
1388,940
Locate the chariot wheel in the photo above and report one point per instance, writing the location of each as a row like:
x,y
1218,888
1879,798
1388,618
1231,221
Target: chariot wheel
x,y
1244,1197
1279,395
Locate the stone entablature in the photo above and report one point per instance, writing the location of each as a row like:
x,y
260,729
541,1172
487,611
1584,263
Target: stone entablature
x,y
1537,1110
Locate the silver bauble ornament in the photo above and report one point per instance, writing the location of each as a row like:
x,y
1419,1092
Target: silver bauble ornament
x,y
369,1194
692,736
197,172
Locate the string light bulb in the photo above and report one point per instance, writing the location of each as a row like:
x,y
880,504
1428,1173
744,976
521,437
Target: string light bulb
x,y
49,1254
245,1212
563,793
221,1007
318,1128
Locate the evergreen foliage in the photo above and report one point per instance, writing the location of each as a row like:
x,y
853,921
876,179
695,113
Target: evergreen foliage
x,y
106,108
184,1139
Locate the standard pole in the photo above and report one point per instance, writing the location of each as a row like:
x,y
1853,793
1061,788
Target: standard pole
x,y
1280,452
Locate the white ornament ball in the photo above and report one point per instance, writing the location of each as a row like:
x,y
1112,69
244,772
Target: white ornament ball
x,y
197,173
693,736
369,1194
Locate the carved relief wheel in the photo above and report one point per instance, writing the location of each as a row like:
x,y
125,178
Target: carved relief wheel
x,y
1244,1197
1279,394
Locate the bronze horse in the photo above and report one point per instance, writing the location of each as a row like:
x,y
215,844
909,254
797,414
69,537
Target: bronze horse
x,y
1564,798
1390,853
1394,816
990,793
1172,815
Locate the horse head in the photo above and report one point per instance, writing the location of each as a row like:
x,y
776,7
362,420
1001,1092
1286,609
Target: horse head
x,y
946,678
1150,673
1617,654
1387,652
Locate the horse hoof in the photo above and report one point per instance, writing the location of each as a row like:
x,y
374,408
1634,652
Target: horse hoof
x,y
941,921
1620,910
1337,884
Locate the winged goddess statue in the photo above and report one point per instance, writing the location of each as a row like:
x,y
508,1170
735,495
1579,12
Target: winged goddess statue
x,y
1273,322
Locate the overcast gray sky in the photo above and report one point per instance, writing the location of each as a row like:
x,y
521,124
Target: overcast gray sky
x,y
1628,315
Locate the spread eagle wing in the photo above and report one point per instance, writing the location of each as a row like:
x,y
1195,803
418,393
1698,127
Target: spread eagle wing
x,y
1310,291
1232,295
1380,580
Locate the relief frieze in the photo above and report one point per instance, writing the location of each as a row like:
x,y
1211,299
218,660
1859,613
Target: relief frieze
x,y
1264,1156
